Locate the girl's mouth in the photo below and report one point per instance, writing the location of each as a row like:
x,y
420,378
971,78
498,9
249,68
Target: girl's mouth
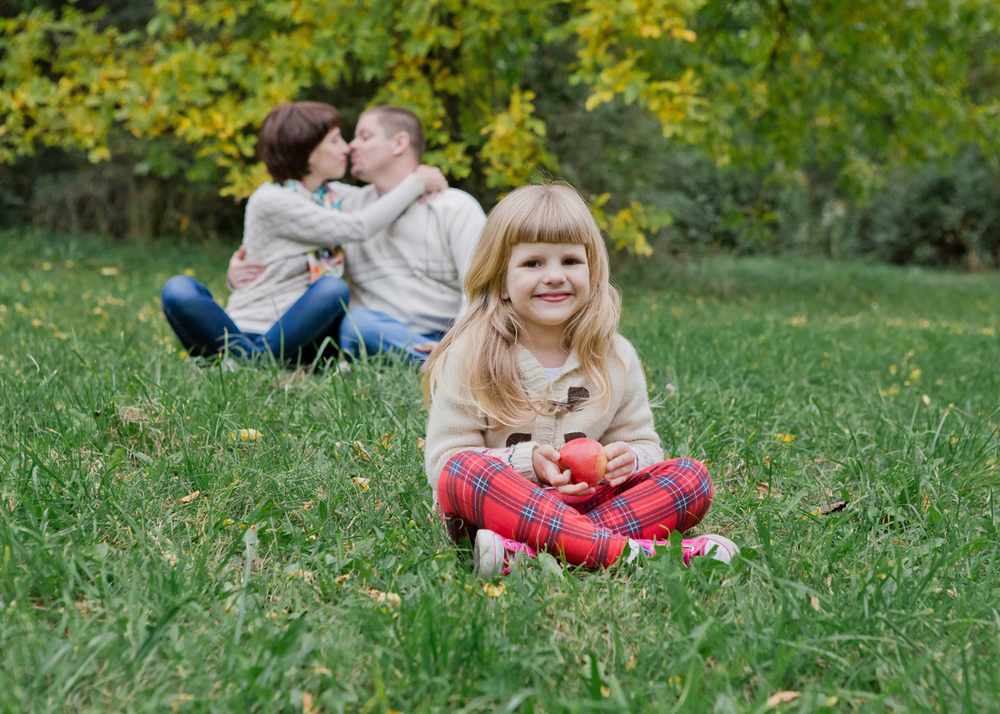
x,y
553,297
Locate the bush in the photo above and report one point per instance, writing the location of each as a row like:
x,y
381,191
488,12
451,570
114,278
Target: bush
x,y
934,215
937,216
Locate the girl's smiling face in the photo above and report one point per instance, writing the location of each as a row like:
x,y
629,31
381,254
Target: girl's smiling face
x,y
547,283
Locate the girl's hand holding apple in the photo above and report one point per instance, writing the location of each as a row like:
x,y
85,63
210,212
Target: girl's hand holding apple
x,y
621,461
545,459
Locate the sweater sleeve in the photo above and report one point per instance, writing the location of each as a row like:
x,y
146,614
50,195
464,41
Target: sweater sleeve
x,y
281,213
633,420
454,426
518,458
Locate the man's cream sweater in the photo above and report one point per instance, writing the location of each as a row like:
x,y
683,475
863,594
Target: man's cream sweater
x,y
413,269
454,426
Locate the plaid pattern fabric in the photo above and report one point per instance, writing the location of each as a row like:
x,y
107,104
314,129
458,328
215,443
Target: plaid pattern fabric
x,y
477,491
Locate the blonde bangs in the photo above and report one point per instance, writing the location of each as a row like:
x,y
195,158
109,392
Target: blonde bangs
x,y
553,214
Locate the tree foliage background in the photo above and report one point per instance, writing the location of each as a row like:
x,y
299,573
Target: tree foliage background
x,y
753,125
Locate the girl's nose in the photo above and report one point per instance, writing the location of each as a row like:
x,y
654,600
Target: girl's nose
x,y
554,274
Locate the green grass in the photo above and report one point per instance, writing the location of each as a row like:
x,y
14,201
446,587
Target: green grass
x,y
800,384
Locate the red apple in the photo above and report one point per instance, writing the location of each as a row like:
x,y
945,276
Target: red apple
x,y
585,459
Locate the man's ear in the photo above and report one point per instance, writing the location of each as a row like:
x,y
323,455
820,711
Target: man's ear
x,y
400,143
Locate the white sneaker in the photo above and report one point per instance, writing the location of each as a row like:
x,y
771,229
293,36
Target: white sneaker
x,y
718,547
488,554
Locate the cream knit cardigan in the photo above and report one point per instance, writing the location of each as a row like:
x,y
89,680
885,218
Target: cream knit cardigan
x,y
454,426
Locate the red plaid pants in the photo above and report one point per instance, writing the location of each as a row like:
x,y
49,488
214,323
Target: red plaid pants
x,y
477,491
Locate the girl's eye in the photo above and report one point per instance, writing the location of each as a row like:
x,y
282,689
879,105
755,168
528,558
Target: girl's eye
x,y
531,263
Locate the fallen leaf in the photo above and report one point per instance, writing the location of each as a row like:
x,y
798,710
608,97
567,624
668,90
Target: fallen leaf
x,y
420,443
359,449
307,703
782,698
832,508
190,497
176,705
391,599
362,483
814,603
245,435
764,491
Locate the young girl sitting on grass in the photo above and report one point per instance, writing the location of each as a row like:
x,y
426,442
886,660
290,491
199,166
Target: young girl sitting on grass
x,y
535,362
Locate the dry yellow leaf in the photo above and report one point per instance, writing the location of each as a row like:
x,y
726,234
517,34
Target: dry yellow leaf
x,y
245,435
176,705
782,698
390,599
190,497
359,449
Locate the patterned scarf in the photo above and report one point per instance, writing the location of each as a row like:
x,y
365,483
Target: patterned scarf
x,y
325,261
324,195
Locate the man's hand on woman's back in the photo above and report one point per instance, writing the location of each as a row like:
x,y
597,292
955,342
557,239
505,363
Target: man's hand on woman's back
x,y
241,271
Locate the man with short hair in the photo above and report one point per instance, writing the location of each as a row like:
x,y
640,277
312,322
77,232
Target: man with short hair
x,y
406,280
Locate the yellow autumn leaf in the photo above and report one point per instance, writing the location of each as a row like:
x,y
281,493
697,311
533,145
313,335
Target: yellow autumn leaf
x,y
782,697
382,598
245,435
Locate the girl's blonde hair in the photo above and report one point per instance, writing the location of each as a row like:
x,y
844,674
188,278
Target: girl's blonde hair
x,y
485,338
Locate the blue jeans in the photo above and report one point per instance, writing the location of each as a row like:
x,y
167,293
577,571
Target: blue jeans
x,y
205,329
373,332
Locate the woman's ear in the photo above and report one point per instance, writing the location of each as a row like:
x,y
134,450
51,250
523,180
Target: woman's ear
x,y
504,295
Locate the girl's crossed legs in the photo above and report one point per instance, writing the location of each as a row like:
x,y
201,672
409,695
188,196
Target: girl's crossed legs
x,y
477,491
